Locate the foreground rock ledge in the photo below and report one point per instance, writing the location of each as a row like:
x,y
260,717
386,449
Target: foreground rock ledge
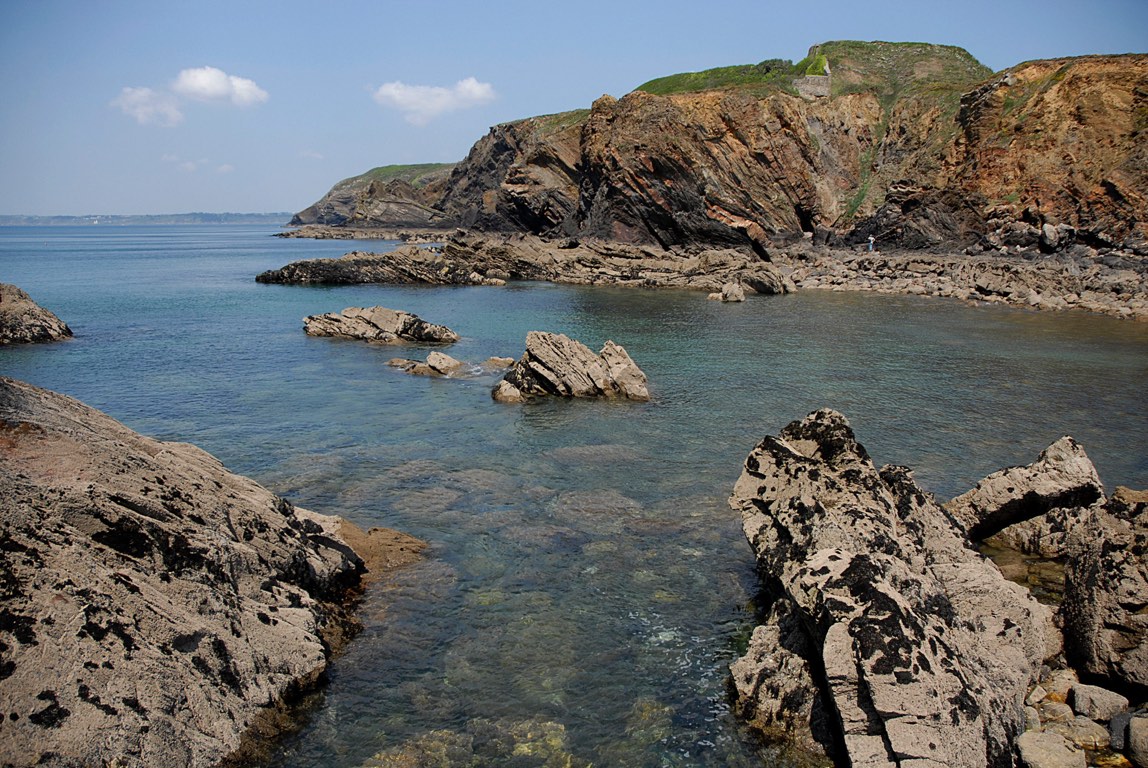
x,y
889,638
23,321
556,365
155,607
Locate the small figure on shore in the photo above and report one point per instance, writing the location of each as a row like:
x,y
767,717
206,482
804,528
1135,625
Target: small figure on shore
x,y
871,239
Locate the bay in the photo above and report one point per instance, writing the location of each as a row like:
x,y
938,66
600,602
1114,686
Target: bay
x,y
584,568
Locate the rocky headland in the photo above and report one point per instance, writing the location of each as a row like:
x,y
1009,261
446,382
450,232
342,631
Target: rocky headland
x,y
157,609
888,640
23,321
1027,186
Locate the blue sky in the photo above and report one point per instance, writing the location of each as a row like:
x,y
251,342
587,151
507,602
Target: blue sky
x,y
250,106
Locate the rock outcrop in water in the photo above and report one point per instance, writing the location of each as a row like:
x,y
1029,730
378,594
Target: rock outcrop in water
x,y
467,259
882,611
157,609
555,365
378,324
897,642
22,321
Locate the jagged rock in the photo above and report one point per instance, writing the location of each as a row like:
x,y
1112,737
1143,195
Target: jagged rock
x,y
1048,750
155,606
926,651
1061,477
23,321
378,324
1081,731
1097,703
554,364
406,264
1106,581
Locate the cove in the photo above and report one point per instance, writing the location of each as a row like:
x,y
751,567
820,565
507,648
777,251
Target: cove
x,y
584,568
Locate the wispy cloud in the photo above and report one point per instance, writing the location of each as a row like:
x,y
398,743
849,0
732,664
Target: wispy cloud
x,y
211,84
149,107
191,166
420,104
311,154
165,107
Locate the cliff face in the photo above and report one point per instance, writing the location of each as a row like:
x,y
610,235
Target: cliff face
x,y
1063,137
917,144
390,196
521,176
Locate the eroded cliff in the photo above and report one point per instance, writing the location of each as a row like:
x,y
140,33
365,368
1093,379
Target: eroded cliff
x,y
918,145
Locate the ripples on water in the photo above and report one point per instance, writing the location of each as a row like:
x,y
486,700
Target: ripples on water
x,y
584,567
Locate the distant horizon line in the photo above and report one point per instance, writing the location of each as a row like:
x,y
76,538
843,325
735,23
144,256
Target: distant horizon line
x,y
95,218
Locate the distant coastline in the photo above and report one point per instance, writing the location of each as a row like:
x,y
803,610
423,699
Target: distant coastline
x,y
122,220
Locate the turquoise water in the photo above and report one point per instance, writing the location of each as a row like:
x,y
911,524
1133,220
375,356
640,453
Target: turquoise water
x,y
584,567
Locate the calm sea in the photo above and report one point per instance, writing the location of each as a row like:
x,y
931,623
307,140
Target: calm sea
x,y
584,568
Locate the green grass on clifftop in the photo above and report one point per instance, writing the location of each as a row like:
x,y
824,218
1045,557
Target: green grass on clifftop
x,y
417,175
888,70
772,74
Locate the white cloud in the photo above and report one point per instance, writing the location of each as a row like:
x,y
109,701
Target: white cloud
x,y
311,154
164,107
225,168
422,103
211,84
149,107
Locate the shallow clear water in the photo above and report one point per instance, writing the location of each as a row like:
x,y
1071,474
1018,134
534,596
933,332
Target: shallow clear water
x,y
584,567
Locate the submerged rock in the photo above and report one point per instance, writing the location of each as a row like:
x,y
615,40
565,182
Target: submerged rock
x,y
23,321
378,324
554,364
156,607
924,650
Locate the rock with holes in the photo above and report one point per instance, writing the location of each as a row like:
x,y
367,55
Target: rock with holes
x,y
154,607
556,365
378,324
1105,603
925,651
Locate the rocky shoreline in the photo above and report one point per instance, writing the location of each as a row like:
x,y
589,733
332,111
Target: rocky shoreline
x,y
157,609
890,641
1110,282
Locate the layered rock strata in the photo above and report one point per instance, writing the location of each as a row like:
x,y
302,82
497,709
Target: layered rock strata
x,y
556,365
890,641
23,321
379,325
156,608
467,259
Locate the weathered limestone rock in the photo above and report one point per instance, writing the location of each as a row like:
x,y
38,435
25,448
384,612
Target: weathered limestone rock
x,y
554,364
1138,741
926,651
1048,750
1097,703
1105,589
1061,477
378,324
729,292
155,607
22,321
